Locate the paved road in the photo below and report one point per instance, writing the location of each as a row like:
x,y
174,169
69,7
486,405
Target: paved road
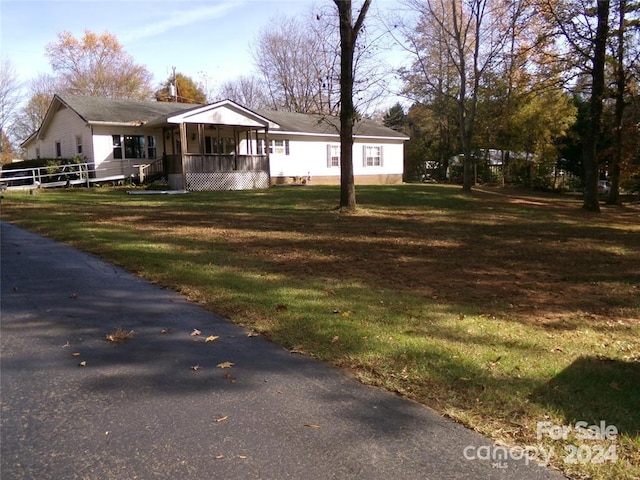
x,y
140,411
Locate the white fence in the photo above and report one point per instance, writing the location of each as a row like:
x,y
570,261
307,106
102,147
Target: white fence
x,y
43,177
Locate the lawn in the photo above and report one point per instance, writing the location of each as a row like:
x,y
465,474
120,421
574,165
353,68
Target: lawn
x,y
501,309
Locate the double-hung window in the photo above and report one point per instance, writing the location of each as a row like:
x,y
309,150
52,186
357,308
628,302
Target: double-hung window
x,y
333,155
372,155
277,147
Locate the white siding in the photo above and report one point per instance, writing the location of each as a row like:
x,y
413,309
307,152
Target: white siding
x,y
64,127
308,157
105,164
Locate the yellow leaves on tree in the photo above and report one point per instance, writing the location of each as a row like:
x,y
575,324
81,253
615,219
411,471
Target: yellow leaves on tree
x,y
97,65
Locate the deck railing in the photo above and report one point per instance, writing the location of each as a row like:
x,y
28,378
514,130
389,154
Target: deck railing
x,y
49,176
199,163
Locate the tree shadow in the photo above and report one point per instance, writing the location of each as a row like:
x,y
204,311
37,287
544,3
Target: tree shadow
x,y
594,389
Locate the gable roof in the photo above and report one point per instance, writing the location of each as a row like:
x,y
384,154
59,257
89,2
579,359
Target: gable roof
x,y
315,124
128,112
225,112
120,110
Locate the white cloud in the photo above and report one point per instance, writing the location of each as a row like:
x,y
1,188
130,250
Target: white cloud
x,y
181,18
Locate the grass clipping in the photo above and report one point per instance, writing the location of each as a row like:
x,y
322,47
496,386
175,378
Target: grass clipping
x,y
120,335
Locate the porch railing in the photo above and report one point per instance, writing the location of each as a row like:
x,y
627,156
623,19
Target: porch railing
x,y
199,163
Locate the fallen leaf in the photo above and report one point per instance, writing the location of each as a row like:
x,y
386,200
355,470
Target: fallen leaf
x,y
221,419
242,456
164,331
83,363
252,334
73,295
335,339
195,332
281,308
15,289
120,335
225,365
66,345
75,354
312,425
346,314
195,368
211,338
558,349
218,457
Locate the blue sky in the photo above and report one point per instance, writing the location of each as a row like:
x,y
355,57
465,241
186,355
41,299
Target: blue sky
x,y
208,40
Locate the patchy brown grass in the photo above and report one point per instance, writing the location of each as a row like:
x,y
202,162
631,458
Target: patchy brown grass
x,y
500,308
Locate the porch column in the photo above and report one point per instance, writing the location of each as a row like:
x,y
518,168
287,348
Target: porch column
x,y
266,147
183,153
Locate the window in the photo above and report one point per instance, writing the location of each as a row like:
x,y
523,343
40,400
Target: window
x,y
37,152
117,146
58,149
79,144
372,156
333,155
134,146
278,147
151,147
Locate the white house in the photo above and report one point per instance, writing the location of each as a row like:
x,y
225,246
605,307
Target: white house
x,y
218,146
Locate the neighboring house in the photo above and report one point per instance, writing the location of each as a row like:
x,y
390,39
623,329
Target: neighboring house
x,y
218,146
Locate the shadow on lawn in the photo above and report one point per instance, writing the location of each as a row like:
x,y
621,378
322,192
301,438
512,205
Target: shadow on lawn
x,y
594,389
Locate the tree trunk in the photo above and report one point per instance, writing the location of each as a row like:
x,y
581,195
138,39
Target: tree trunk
x,y
348,36
347,185
591,171
614,191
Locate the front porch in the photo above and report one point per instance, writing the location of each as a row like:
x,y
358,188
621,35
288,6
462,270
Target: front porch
x,y
202,172
216,147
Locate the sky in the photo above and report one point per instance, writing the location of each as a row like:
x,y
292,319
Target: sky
x,y
207,40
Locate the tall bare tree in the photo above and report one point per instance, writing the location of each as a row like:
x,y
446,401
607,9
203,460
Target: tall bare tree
x,y
297,60
41,91
348,37
97,65
9,102
248,91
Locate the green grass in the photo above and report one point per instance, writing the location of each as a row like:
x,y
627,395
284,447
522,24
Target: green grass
x,y
500,309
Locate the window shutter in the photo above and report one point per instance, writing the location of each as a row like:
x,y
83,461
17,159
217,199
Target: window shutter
x,y
286,147
364,155
328,155
381,155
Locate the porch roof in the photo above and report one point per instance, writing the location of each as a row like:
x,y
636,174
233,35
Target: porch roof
x,y
225,112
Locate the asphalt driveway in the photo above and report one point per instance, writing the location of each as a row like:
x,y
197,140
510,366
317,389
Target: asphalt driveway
x,y
161,405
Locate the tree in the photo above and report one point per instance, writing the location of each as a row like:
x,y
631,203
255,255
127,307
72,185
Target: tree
x,y
180,88
591,171
348,36
246,90
454,43
583,33
625,32
395,118
9,102
297,61
97,65
41,91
